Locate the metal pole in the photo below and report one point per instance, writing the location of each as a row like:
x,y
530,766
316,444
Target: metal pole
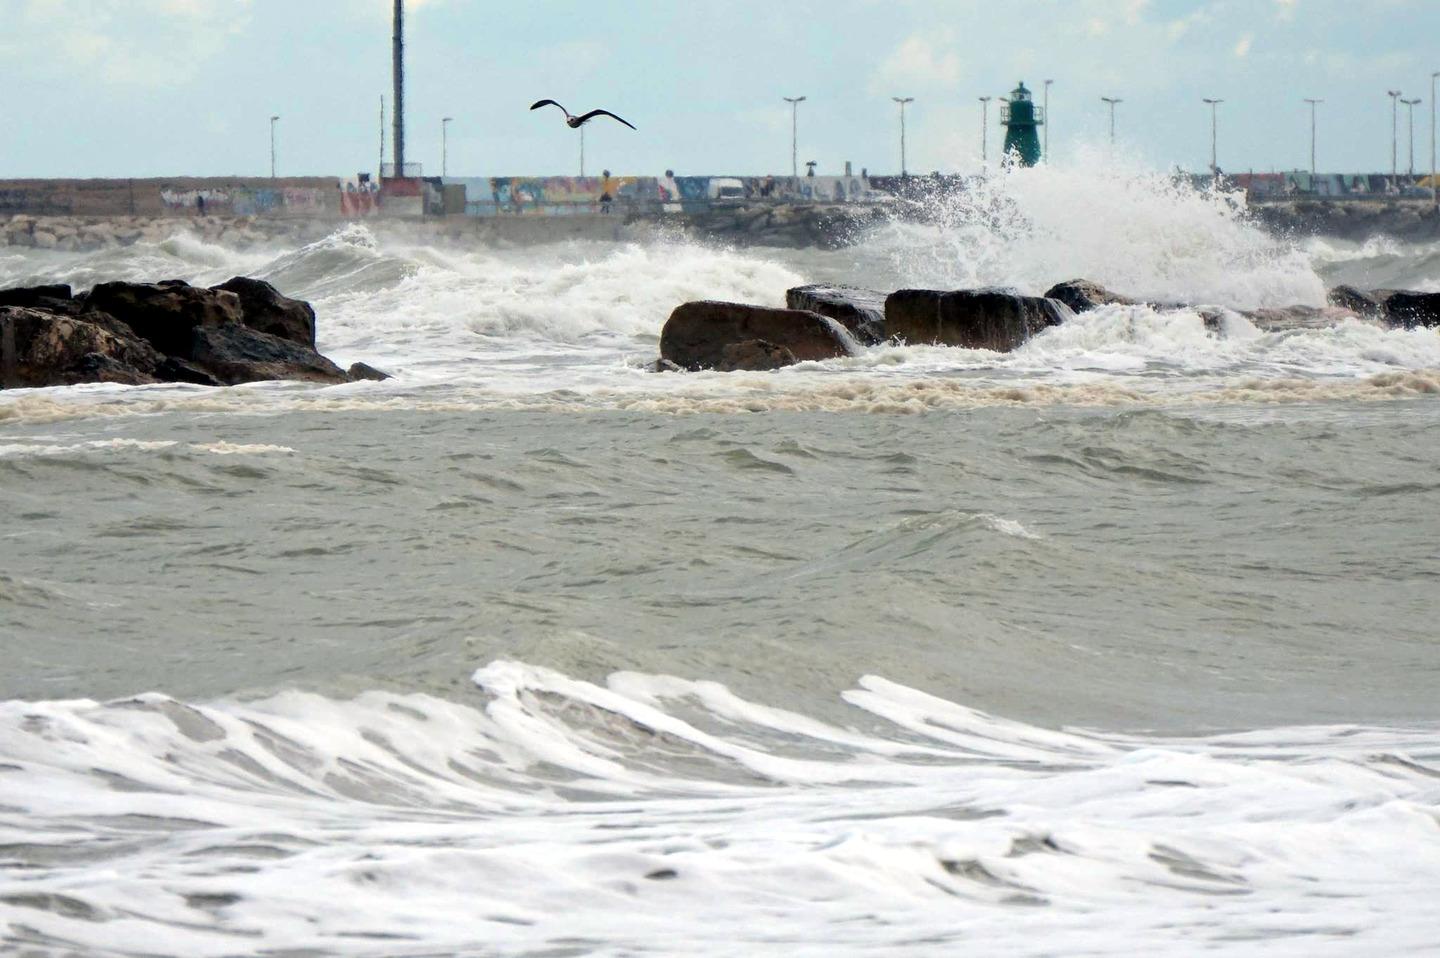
x,y
399,68
272,146
1047,120
582,152
445,146
1411,105
380,170
1434,180
902,101
984,130
1312,136
1112,101
1214,128
1394,139
794,102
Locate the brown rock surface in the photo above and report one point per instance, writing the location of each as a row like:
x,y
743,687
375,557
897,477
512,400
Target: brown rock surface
x,y
697,334
996,319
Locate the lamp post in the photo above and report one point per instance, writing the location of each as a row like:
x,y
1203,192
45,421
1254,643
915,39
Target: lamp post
x,y
1214,127
273,121
984,130
1312,136
902,100
582,153
1411,105
1047,121
794,102
1394,138
445,146
1112,101
1434,185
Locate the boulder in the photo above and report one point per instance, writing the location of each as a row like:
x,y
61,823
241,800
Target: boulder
x,y
1082,295
1355,300
265,309
165,314
1409,309
38,348
860,311
996,319
1286,318
359,371
696,334
233,354
753,355
58,298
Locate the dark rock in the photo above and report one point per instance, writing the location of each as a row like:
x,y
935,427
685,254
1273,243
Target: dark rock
x,y
1284,319
44,349
264,308
172,370
861,311
753,355
696,334
666,366
55,299
359,371
1082,295
165,314
1356,300
996,319
1409,309
233,353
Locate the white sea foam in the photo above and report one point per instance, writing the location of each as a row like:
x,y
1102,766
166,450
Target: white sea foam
x,y
655,814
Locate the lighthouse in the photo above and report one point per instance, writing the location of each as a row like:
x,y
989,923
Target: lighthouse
x,y
1022,120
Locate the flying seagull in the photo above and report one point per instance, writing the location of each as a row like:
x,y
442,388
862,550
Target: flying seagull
x,y
575,122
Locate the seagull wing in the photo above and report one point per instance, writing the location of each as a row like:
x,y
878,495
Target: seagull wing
x,y
539,103
594,113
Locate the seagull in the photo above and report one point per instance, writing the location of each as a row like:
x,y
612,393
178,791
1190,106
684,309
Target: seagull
x,y
575,122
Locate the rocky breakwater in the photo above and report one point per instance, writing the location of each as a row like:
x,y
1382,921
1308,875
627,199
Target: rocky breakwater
x,y
828,322
241,331
788,225
81,234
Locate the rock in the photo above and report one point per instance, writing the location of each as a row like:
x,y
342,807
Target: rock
x,y
172,370
1283,319
54,299
265,309
861,311
44,240
696,334
165,314
1082,295
38,348
233,354
753,355
359,371
996,319
1356,300
1409,309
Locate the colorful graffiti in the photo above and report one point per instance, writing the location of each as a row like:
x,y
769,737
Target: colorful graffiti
x,y
359,197
196,200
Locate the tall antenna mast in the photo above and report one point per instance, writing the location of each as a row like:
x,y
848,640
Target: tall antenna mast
x,y
399,88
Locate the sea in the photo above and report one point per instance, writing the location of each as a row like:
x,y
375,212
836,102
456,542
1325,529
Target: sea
x,y
1122,642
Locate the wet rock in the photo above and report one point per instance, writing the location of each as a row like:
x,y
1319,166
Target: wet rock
x,y
233,354
1284,319
1082,295
753,355
359,371
860,311
1409,309
58,298
1355,300
996,319
38,348
264,308
172,370
165,314
696,334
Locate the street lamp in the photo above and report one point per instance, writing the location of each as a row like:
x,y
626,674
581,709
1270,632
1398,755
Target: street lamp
x,y
902,100
1214,124
1394,138
273,121
1312,136
1434,185
445,146
984,130
1112,101
1047,120
794,102
1411,105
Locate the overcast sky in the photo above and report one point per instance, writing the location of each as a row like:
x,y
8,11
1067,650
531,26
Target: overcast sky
x,y
165,87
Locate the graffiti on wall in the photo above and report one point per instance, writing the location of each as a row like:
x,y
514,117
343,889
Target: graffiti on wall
x,y
359,197
246,202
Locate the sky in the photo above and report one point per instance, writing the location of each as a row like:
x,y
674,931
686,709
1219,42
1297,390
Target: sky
x,y
119,88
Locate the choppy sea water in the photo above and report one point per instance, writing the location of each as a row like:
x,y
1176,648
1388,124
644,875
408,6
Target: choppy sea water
x,y
1123,641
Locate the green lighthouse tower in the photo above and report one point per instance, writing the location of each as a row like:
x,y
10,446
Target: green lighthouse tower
x,y
1022,120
